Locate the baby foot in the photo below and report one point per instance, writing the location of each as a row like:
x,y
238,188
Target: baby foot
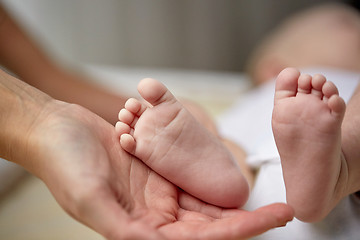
x,y
306,122
166,137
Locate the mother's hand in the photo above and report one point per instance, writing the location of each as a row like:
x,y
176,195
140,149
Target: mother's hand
x,y
77,155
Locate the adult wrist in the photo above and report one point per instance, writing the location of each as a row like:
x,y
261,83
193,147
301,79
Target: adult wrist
x,y
21,106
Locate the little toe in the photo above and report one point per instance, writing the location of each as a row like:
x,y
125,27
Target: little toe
x,y
286,83
128,143
154,92
122,128
135,106
126,116
317,83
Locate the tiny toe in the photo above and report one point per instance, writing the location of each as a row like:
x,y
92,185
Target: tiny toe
x,y
337,105
126,116
122,128
154,92
304,84
135,106
286,83
128,143
317,83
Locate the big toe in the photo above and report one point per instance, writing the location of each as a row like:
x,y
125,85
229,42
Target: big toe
x,y
287,83
154,92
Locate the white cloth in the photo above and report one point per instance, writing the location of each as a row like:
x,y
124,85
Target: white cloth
x,y
248,123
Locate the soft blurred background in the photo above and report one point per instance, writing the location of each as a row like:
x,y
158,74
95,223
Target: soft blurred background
x,y
198,47
196,34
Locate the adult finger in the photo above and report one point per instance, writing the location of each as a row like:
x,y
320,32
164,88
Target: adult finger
x,y
238,224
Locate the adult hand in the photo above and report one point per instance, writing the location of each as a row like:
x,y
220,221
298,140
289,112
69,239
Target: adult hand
x,y
117,195
78,156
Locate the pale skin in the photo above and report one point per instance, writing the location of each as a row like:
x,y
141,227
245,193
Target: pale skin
x,y
167,138
307,125
77,155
